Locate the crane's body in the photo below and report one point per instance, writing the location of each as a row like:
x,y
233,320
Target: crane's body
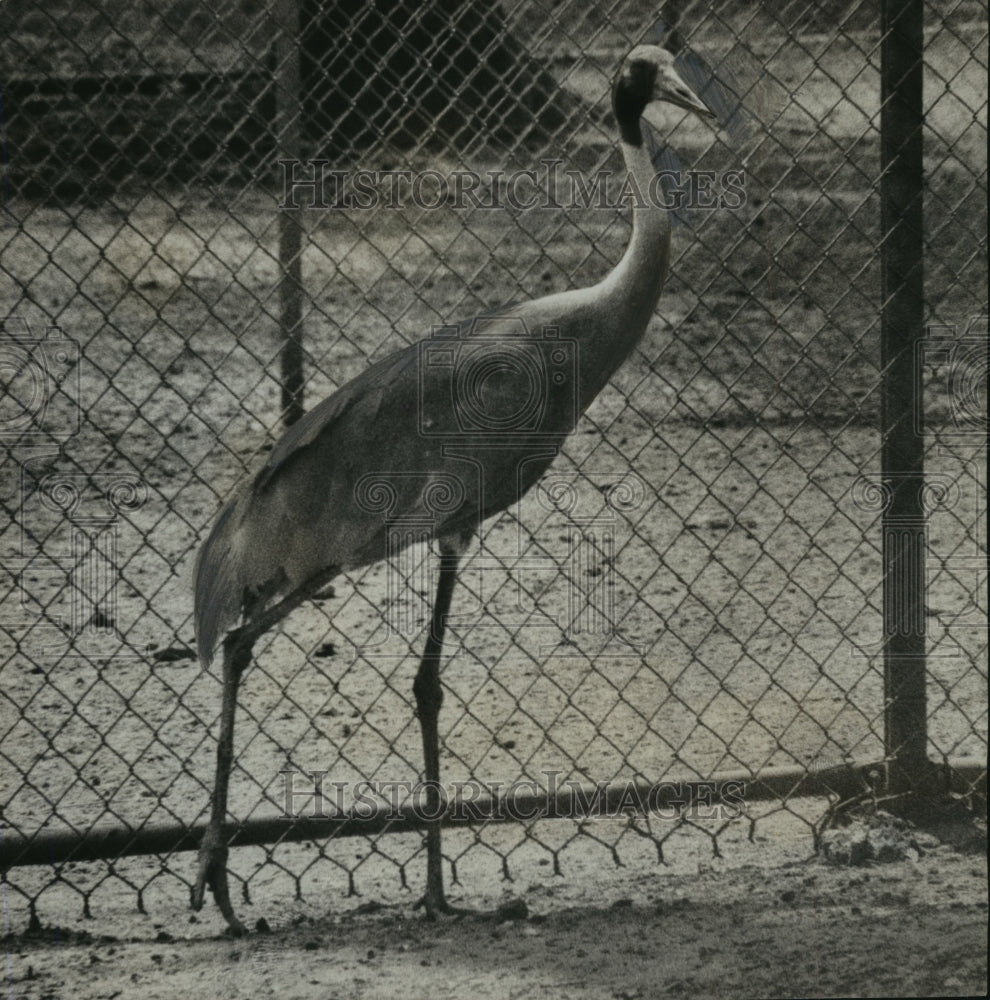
x,y
264,542
445,432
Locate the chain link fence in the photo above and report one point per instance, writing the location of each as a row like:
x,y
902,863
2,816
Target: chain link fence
x,y
694,593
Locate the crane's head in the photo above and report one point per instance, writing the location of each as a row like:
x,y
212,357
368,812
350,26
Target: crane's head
x,y
648,76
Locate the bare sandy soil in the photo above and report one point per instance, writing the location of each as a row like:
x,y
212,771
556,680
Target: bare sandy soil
x,y
800,929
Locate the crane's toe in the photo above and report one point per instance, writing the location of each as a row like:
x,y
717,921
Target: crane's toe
x,y
438,909
212,871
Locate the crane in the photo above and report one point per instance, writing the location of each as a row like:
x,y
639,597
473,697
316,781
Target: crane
x,y
454,428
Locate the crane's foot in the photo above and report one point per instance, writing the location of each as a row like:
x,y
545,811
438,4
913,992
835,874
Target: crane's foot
x,y
513,909
212,872
438,909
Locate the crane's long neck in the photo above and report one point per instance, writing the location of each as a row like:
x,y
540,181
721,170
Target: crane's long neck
x,y
628,294
635,283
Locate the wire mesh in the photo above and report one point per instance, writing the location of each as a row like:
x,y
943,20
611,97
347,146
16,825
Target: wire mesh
x,y
696,585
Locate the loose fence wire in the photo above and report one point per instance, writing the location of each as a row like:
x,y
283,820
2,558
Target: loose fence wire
x,y
697,587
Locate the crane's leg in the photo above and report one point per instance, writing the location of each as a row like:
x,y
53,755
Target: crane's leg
x,y
429,697
213,849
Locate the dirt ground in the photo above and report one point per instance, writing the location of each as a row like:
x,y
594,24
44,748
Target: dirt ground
x,y
799,929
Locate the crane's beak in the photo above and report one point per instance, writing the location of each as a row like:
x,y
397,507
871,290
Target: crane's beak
x,y
673,90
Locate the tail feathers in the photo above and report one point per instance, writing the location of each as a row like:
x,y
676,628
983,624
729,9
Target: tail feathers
x,y
218,588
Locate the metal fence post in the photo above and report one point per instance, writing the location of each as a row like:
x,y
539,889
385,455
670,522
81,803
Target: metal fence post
x,y
902,327
288,129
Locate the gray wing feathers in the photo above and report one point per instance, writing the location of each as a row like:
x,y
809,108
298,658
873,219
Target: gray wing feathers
x,y
218,588
312,424
224,572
